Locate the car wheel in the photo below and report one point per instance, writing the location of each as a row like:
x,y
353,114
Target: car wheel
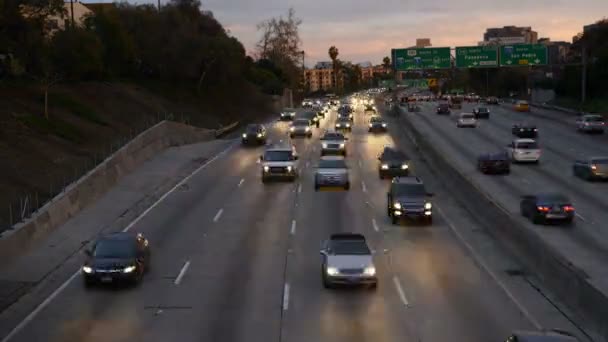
x,y
264,180
429,220
291,136
394,219
317,187
88,283
568,221
344,154
537,219
347,186
322,153
373,286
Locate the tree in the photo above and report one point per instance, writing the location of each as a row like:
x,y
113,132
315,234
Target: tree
x,y
386,63
333,54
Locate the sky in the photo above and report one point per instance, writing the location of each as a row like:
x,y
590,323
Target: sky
x,y
366,30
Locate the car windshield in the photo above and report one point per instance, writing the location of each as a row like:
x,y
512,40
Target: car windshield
x,y
332,164
409,190
277,156
600,161
343,120
467,116
375,119
301,122
118,249
253,128
594,119
349,247
552,198
483,110
333,136
527,145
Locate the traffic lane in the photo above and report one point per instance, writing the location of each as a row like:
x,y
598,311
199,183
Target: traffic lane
x,y
579,245
88,310
451,296
315,313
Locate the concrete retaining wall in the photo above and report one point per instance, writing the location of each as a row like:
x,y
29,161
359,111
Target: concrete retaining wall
x,y
570,284
95,183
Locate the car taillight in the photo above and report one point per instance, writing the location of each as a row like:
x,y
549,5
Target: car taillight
x,y
542,208
568,208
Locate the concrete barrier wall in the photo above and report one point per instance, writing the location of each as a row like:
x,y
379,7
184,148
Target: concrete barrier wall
x,y
569,283
94,184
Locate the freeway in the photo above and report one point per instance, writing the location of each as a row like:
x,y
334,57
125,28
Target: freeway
x,y
238,260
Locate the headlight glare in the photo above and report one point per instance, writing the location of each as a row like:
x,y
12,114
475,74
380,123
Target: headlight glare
x,y
259,135
128,269
370,271
87,269
289,168
397,205
342,145
266,168
307,129
384,167
404,167
332,271
324,145
292,129
428,206
244,135
383,125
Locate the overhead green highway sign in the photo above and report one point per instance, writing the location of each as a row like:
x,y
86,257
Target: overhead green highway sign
x,y
421,58
523,55
476,56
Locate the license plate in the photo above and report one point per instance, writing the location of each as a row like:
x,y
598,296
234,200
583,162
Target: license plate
x,y
106,279
555,216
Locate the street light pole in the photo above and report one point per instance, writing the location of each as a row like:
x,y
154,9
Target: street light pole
x,y
72,11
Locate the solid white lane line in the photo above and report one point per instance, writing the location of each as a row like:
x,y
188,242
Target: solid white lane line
x,y
286,297
375,225
182,272
62,287
489,271
218,215
300,188
580,217
241,182
400,291
363,187
293,227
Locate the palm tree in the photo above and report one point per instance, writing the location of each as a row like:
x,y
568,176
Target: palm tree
x,y
386,62
333,54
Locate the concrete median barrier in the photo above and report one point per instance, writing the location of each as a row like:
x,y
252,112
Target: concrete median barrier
x,y
571,284
96,182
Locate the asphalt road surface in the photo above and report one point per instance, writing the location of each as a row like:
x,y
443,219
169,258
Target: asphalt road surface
x,y
236,260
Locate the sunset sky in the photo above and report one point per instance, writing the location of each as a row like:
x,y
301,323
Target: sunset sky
x,y
365,30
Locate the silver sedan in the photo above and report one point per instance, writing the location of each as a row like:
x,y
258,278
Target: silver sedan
x,y
332,172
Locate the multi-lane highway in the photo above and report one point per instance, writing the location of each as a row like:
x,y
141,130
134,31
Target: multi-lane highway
x,y
237,260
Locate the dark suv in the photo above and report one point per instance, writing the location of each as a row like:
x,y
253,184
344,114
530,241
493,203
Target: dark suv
x,y
393,163
408,198
443,108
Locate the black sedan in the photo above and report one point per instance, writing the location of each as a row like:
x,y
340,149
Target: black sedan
x,y
117,258
525,130
377,124
254,134
496,163
393,163
547,207
481,113
590,169
443,108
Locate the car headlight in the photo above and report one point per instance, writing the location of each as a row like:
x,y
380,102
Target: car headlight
x,y
347,125
87,269
128,269
383,125
428,206
244,135
292,129
337,125
404,167
332,271
316,118
342,145
369,271
307,129
259,135
266,168
289,168
324,145
384,167
397,205
370,125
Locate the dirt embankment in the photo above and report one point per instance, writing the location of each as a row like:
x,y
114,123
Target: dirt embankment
x,y
87,122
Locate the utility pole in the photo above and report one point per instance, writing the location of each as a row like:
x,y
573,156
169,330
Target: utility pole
x,y
159,5
584,75
72,11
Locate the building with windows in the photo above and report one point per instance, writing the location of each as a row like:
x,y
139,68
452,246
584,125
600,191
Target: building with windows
x,y
509,35
423,42
321,77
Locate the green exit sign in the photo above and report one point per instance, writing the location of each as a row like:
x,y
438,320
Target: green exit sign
x,y
421,58
523,55
476,56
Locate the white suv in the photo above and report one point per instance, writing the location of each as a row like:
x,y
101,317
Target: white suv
x,y
279,162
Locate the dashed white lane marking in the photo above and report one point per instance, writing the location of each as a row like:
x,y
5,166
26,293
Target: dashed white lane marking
x,y
360,163
218,215
375,225
400,291
241,182
307,163
286,297
363,187
488,271
300,188
580,217
182,272
30,317
293,227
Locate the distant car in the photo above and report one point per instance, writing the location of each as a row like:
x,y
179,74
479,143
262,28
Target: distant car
x,y
377,124
591,123
343,124
288,114
347,260
542,336
407,198
525,130
310,116
547,207
279,162
413,107
466,120
595,168
443,108
117,258
524,150
481,113
492,100
333,142
307,103
393,163
496,163
522,106
254,134
370,108
332,172
300,128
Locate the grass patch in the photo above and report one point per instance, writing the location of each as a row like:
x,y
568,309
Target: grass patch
x,y
52,126
592,106
75,107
